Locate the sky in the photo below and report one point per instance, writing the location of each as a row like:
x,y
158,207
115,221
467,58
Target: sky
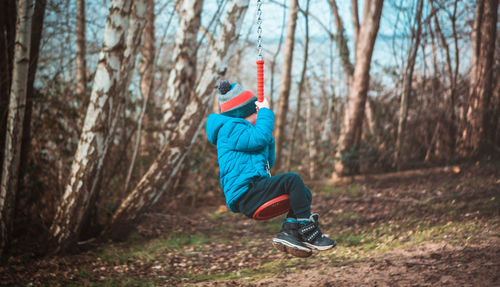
x,y
390,47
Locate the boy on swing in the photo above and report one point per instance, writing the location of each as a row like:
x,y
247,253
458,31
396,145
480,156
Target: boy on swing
x,y
245,151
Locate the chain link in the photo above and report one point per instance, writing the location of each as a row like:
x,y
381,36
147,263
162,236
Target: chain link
x,y
259,28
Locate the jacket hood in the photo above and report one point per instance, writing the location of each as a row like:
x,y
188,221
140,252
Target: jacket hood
x,y
214,123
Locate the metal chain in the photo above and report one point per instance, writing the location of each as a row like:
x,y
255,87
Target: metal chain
x,y
259,28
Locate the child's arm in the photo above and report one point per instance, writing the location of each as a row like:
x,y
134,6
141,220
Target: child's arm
x,y
253,138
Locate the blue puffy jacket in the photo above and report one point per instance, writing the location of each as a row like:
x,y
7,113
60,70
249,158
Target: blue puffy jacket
x,y
245,151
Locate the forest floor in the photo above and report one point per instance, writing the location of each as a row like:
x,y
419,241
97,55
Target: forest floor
x,y
441,229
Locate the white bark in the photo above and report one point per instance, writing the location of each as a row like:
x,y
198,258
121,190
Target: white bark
x,y
15,118
100,122
159,177
182,77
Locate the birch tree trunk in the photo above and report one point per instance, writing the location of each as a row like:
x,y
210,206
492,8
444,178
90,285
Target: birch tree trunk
x,y
36,36
407,82
81,66
7,40
346,155
159,177
286,80
182,77
8,187
136,22
146,70
481,75
99,125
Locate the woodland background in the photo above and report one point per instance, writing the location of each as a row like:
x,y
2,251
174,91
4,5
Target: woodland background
x,y
102,103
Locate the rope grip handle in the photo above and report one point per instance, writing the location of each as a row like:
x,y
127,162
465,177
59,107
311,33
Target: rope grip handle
x,y
260,80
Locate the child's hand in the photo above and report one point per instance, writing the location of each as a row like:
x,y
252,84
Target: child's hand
x,y
263,104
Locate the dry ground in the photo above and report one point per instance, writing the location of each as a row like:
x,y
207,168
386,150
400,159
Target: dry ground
x,y
440,229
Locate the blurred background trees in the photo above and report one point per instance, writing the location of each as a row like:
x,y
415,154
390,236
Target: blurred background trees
x,y
114,94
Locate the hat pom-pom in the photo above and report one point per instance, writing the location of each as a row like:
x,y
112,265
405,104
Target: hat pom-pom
x,y
224,87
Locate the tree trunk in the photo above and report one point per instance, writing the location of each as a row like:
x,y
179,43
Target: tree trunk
x,y
450,130
286,80
98,128
81,67
7,37
17,102
342,40
355,20
407,82
36,36
481,78
310,134
275,57
301,88
146,70
164,169
346,155
182,77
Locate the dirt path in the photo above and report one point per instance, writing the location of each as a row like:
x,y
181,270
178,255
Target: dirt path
x,y
434,230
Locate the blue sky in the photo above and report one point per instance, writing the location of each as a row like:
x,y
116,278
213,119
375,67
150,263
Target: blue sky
x,y
390,48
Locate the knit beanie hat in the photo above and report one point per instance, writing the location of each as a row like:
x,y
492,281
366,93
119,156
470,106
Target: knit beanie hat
x,y
235,101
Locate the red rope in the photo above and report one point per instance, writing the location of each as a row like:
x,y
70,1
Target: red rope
x,y
260,80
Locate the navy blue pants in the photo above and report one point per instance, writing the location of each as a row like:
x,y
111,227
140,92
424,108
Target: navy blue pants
x,y
263,190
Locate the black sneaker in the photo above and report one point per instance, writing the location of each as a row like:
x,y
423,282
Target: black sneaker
x,y
311,235
288,241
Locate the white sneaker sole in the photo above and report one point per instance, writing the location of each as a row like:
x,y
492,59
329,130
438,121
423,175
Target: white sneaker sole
x,y
291,245
292,249
321,248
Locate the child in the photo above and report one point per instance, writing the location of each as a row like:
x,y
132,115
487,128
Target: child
x,y
245,151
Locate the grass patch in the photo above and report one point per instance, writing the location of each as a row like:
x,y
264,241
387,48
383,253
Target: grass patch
x,y
119,282
348,215
270,269
152,249
352,190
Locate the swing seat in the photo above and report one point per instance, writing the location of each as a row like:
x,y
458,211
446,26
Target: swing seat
x,y
273,208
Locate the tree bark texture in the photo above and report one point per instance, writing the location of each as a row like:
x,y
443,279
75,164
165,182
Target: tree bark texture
x,y
36,36
342,40
450,108
7,36
159,177
182,77
354,114
301,89
407,82
81,66
148,60
99,125
286,80
10,168
146,71
481,78
355,20
310,134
